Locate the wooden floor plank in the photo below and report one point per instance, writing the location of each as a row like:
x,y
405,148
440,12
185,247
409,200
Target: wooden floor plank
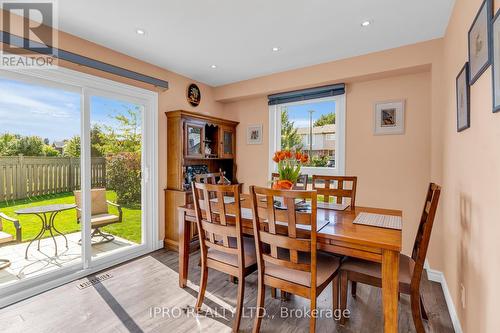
x,y
124,303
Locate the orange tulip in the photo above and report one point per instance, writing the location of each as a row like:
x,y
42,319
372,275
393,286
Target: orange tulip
x,y
288,154
276,159
298,156
281,156
304,158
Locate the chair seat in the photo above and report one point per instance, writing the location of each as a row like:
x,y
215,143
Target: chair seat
x,y
5,237
101,220
373,269
327,265
232,259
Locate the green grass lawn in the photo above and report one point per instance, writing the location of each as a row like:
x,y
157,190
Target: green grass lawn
x,y
129,228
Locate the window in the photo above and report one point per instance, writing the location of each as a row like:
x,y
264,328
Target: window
x,y
291,125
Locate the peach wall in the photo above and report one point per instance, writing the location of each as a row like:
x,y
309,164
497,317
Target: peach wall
x,y
468,226
393,171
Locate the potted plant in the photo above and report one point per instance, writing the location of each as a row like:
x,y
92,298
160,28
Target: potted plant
x,y
289,164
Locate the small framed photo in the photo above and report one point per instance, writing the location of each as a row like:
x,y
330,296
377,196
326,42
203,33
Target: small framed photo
x,y
496,62
389,117
463,99
480,41
254,134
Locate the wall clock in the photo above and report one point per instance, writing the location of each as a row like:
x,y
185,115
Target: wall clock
x,y
193,95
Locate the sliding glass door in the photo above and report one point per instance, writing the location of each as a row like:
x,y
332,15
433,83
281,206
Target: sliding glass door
x,y
77,189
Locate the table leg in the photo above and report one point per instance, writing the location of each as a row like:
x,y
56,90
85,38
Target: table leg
x,y
184,240
390,289
42,231
53,226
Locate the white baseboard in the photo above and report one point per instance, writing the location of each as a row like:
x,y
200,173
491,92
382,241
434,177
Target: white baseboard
x,y
438,276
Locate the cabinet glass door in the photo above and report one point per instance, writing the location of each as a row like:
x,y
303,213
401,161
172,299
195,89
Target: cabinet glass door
x,y
194,140
227,142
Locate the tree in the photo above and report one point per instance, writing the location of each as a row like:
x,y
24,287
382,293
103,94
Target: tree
x,y
72,147
290,139
29,146
126,137
8,144
325,119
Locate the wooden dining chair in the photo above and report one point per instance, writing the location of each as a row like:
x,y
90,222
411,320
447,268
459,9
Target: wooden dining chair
x,y
339,187
301,182
222,244
207,178
287,258
410,268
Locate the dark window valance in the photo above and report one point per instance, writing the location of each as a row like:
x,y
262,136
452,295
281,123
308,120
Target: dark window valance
x,y
305,94
20,42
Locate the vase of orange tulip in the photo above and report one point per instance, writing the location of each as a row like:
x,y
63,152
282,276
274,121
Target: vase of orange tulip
x,y
289,164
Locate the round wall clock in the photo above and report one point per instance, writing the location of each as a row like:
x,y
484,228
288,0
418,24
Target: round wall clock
x,y
193,95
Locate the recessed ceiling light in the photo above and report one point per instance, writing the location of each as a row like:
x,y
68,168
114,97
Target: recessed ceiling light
x,y
276,49
140,31
213,66
366,23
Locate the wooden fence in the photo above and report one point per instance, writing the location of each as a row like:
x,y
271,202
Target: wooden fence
x,y
23,177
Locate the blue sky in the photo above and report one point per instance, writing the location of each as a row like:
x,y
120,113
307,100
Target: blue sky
x,y
28,109
300,116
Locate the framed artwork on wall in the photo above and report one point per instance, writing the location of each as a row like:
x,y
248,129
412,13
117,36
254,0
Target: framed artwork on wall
x,y
254,134
495,31
463,99
479,39
389,117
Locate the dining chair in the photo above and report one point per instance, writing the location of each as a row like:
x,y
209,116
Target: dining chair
x,y
287,256
301,182
223,247
339,187
212,178
410,268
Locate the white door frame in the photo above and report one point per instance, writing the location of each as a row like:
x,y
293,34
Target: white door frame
x,y
86,85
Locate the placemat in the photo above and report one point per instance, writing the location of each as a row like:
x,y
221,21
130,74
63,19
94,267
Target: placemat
x,y
378,220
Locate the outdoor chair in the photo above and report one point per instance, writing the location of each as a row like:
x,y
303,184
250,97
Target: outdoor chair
x,y
6,238
100,216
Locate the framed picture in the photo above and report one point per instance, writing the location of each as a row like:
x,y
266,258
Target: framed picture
x,y
389,117
480,41
495,31
254,134
463,99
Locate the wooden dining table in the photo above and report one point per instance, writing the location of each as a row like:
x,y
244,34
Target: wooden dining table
x,y
336,234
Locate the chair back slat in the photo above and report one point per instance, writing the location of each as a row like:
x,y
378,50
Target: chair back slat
x,y
277,229
423,235
215,225
339,187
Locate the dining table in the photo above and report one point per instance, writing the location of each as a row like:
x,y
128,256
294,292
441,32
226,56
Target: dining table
x,y
337,234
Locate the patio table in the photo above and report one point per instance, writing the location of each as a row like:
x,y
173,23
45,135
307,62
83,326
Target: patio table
x,y
47,215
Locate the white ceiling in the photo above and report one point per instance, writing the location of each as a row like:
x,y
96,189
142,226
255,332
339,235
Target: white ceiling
x,y
187,37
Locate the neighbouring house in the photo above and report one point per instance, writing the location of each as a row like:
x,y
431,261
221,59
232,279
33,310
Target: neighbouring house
x,y
323,139
59,145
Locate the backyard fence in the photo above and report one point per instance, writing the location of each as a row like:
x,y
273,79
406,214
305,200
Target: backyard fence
x,y
23,177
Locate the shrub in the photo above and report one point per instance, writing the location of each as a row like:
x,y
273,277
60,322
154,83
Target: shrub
x,y
123,175
50,151
320,161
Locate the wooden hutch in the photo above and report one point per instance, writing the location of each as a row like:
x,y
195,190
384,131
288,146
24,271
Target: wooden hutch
x,y
195,142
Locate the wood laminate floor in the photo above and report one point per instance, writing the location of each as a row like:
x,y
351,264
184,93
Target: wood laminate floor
x,y
143,296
